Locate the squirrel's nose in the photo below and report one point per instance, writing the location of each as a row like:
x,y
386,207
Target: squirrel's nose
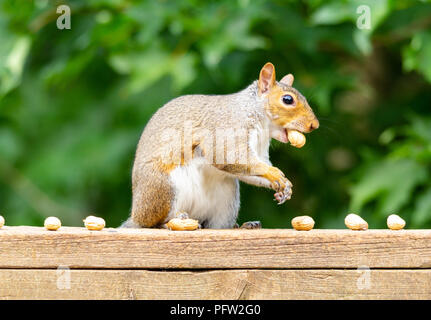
x,y
314,125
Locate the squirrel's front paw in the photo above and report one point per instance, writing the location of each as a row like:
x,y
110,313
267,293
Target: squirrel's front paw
x,y
284,195
280,184
283,188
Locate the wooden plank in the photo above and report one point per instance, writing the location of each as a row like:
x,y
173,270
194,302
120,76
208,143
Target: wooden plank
x,y
220,284
34,247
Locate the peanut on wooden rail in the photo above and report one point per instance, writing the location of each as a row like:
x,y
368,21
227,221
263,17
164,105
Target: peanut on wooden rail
x,y
303,223
1,221
94,223
355,222
296,138
52,223
395,222
182,223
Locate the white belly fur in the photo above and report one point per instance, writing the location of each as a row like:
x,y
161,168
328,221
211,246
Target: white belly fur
x,y
206,194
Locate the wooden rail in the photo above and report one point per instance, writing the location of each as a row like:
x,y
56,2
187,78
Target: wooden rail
x,y
74,263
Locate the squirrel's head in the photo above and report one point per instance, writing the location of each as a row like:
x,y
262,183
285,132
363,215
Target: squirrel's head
x,y
285,106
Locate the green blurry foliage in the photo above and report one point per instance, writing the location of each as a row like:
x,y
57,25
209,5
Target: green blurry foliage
x,y
74,102
399,181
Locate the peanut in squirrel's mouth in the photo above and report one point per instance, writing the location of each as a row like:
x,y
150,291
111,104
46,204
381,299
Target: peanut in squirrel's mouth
x,y
293,129
284,135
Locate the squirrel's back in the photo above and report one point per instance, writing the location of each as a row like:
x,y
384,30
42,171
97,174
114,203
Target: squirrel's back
x,y
200,111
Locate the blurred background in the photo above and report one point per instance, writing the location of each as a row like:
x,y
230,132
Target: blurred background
x,y
73,103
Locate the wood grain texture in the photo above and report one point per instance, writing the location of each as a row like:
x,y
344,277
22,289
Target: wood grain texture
x,y
220,284
34,247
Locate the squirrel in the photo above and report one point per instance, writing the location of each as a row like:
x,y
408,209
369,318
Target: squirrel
x,y
196,148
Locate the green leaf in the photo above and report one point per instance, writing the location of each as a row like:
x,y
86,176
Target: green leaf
x,y
332,13
417,55
422,212
144,68
390,182
12,63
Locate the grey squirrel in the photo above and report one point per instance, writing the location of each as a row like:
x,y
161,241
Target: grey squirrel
x,y
196,148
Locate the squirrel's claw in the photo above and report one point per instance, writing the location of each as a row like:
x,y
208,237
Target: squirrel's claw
x,y
282,196
283,188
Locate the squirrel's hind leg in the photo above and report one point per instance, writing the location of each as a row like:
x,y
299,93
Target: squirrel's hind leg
x,y
152,198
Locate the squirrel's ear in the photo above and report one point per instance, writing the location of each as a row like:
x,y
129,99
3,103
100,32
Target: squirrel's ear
x,y
288,79
266,78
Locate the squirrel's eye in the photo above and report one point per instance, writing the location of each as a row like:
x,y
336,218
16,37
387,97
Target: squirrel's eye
x,y
288,99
